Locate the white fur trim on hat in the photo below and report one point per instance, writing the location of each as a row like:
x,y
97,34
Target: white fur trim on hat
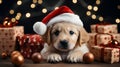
x,y
72,18
39,28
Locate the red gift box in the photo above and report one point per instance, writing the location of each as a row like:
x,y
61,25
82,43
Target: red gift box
x,y
104,28
99,38
29,44
8,38
106,54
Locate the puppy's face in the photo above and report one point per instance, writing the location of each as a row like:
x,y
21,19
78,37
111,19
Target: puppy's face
x,y
64,36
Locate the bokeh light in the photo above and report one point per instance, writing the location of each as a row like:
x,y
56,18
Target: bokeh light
x,y
11,11
117,20
100,18
74,1
97,2
118,7
95,8
13,19
0,1
93,16
40,1
88,13
89,7
19,2
32,5
28,15
44,10
34,1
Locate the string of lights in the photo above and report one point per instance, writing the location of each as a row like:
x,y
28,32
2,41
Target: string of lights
x,y
19,15
92,9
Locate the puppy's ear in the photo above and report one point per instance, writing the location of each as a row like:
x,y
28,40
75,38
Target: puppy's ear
x,y
83,36
47,36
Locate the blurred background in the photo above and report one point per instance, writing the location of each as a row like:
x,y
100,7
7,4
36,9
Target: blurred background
x,y
27,12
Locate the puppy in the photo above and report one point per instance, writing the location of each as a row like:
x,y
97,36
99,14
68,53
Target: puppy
x,y
66,41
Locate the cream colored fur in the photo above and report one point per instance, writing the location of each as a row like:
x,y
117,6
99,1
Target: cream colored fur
x,y
77,43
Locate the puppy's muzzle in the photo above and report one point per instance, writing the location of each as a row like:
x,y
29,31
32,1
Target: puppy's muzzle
x,y
63,44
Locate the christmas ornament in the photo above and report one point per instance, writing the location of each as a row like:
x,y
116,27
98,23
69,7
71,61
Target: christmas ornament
x,y
4,55
15,53
88,58
36,57
6,22
113,43
17,60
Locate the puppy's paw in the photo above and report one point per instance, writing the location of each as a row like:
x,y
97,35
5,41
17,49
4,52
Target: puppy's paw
x,y
74,57
53,58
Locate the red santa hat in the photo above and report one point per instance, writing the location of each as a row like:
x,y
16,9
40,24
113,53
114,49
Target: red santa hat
x,y
63,13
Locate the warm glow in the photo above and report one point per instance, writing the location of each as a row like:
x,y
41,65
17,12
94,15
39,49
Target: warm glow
x,y
34,1
88,13
17,17
11,11
13,19
19,14
32,5
93,16
0,1
117,20
89,7
74,1
44,10
56,8
98,2
19,2
118,7
95,8
100,18
28,15
8,24
5,23
40,1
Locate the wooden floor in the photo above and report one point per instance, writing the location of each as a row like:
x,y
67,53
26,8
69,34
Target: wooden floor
x,y
29,63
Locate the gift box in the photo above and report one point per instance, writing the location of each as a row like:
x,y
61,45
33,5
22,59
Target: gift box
x,y
106,54
29,44
8,38
98,39
104,28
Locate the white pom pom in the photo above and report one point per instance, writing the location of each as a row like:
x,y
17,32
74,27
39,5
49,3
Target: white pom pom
x,y
39,28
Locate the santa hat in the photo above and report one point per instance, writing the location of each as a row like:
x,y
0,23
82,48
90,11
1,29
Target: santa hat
x,y
61,14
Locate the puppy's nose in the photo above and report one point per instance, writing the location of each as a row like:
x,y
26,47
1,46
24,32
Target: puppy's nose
x,y
64,44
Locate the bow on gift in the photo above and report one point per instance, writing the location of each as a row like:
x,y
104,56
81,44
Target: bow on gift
x,y
113,44
7,22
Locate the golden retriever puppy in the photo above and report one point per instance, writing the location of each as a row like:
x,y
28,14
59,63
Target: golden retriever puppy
x,y
66,41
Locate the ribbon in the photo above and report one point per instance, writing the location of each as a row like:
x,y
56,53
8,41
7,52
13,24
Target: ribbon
x,y
111,44
102,23
95,40
108,45
102,54
27,49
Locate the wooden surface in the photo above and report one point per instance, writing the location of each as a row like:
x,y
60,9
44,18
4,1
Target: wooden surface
x,y
29,63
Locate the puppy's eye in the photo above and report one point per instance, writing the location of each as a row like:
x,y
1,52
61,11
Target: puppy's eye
x,y
56,32
71,32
